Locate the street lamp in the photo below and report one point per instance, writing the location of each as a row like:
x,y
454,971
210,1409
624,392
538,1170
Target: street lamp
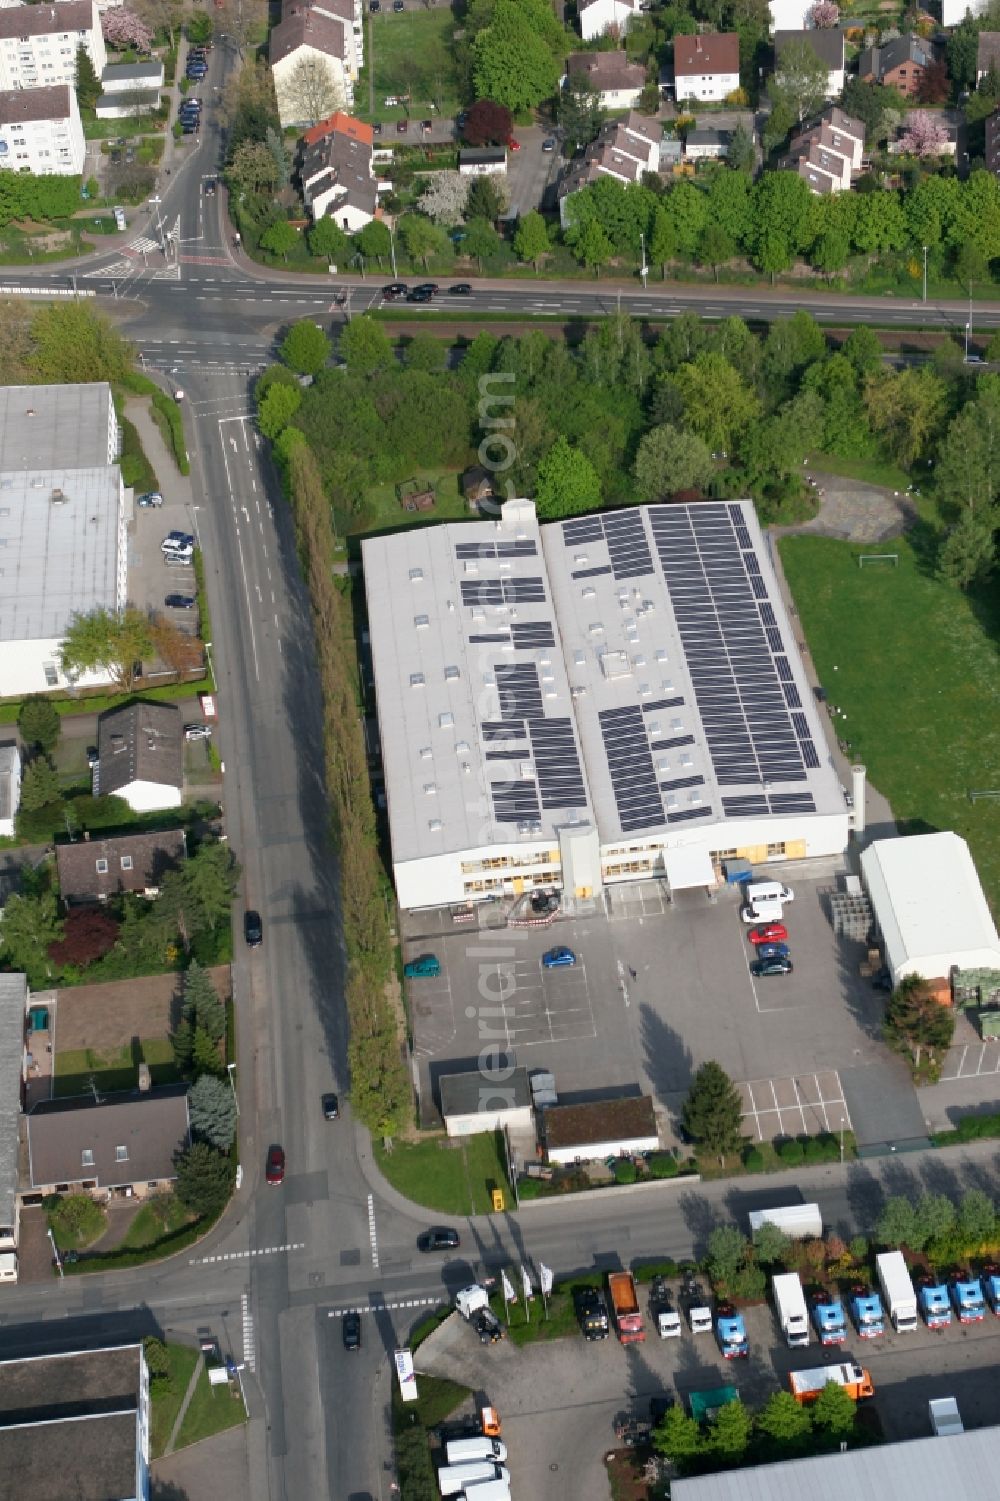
x,y
925,273
231,1066
392,249
643,269
155,203
842,1125
968,329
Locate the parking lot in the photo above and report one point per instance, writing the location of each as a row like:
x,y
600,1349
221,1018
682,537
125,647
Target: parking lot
x,y
659,988
559,1401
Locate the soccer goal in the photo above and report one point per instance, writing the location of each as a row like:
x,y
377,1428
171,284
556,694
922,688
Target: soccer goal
x,y
878,559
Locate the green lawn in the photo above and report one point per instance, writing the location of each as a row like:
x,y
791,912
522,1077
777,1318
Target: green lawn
x,y
436,1400
453,1176
212,1409
159,1216
912,662
382,508
561,1320
113,1071
168,1395
412,54
872,471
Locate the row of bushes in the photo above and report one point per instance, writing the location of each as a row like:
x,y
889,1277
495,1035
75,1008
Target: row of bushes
x,y
167,415
969,1128
157,1250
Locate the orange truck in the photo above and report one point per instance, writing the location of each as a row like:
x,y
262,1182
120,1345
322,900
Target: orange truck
x,y
625,1302
806,1386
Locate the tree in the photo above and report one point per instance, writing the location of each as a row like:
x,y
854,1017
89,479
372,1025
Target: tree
x,y
277,409
863,348
487,199
825,14
935,1217
935,84
833,1411
962,53
487,124
968,553
713,1111
567,483
30,924
481,241
211,876
977,1220
511,62
729,1437
123,28
800,80
157,1360
578,111
276,146
102,641
727,1250
771,1244
662,239
212,1110
305,348
906,407
669,459
915,1020
365,347
715,248
312,90
39,724
201,1002
531,239
200,28
444,198
39,785
244,21
592,246
717,404
421,238
678,1438
204,1179
374,241
205,1056
87,83
923,136
741,156
327,239
782,219
785,1421
424,352
89,933
897,1224
279,238
252,169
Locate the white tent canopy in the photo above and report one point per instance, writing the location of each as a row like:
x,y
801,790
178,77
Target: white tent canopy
x,y
688,867
929,906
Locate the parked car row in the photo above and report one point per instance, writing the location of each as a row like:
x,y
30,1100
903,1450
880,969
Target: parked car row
x,y
764,906
425,291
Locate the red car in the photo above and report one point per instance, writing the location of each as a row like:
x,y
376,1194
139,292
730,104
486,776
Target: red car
x,y
771,932
513,145
275,1170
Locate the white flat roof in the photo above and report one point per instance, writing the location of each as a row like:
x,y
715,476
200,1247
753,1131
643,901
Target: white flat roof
x,y
929,904
634,669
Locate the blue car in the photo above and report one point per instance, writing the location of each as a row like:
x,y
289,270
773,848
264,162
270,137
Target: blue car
x,y
774,951
560,958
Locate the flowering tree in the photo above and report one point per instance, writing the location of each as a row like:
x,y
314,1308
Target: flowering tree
x,y
444,198
923,135
825,14
122,28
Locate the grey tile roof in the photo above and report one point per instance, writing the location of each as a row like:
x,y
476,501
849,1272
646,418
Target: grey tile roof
x,y
148,857
828,45
10,762
468,1094
143,742
308,28
151,1127
607,70
13,1009
24,106
43,20
149,74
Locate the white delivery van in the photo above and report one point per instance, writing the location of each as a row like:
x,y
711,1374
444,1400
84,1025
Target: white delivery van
x,y
453,1479
762,912
768,891
486,1490
463,1450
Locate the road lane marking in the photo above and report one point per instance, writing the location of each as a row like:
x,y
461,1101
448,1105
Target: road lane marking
x,y
338,1313
291,1245
249,1348
373,1238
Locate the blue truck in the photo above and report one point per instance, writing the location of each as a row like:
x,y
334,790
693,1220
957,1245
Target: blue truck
x,y
828,1319
731,1332
934,1302
967,1296
866,1311
991,1287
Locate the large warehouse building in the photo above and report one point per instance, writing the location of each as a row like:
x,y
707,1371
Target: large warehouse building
x,y
593,701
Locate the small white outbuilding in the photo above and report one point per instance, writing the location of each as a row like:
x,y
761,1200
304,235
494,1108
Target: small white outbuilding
x,y
929,906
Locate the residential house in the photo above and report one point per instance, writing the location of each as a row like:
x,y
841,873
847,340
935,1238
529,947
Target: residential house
x,y
13,1021
10,788
988,54
993,143
130,89
477,490
707,145
600,1129
91,870
39,43
900,64
76,1424
63,526
828,153
828,45
314,55
119,1146
706,67
624,149
791,15
41,131
140,752
484,161
617,83
599,17
336,173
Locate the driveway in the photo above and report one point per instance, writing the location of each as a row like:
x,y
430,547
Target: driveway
x,y
530,170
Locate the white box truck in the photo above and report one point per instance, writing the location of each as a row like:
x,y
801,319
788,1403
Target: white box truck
x,y
454,1479
799,1221
897,1291
946,1420
460,1451
790,1305
486,1490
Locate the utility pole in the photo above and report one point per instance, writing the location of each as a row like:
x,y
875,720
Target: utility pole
x,y
643,269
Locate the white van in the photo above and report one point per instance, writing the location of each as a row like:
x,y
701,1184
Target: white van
x,y
453,1479
762,912
464,1450
485,1490
768,891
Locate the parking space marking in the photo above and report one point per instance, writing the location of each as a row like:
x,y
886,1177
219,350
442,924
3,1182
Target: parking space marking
x,y
635,901
800,1105
433,1004
955,1064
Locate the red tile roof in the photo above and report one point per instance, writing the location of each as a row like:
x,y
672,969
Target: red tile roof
x,y
718,52
340,124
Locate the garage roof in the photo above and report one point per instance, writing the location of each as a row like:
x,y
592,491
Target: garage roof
x,y
929,905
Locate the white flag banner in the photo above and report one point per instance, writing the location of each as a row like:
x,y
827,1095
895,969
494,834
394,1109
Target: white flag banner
x,y
509,1295
545,1277
529,1291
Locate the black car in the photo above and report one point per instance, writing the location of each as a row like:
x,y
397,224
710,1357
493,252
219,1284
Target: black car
x,y
180,602
190,127
374,6
777,965
398,5
419,294
395,289
92,756
253,929
428,286
461,118
331,1107
376,127
439,1238
460,289
352,1331
487,1326
591,1313
209,187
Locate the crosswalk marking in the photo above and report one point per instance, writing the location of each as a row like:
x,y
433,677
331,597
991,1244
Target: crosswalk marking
x,y
338,1313
292,1245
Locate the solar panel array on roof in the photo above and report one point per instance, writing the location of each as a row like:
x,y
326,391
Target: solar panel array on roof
x,y
557,765
515,802
492,729
625,535
630,763
662,703
754,804
534,635
686,813
519,690
503,591
518,549
741,681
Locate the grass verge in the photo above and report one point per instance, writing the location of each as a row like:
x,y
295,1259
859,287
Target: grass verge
x,y
159,1216
451,1175
167,1396
167,416
212,1410
911,662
